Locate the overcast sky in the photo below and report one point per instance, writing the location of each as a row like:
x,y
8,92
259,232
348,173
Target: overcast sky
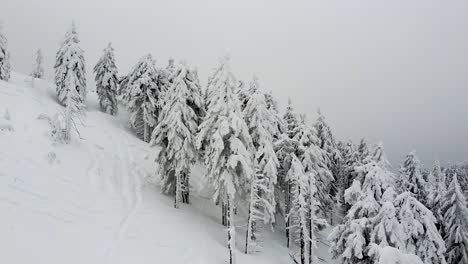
x,y
391,71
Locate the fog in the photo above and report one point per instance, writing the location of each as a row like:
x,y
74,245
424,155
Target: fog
x,y
393,71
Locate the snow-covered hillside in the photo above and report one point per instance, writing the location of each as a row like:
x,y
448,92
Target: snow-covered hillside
x,y
91,201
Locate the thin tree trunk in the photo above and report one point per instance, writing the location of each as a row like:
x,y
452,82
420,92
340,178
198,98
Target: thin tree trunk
x,y
303,249
185,188
248,233
145,131
288,209
177,191
223,214
231,230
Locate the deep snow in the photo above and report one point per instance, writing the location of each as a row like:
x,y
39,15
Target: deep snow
x,y
97,200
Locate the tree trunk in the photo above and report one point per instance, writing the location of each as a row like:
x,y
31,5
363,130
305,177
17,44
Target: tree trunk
x,y
288,208
248,233
185,188
310,241
145,132
223,214
177,191
303,247
231,230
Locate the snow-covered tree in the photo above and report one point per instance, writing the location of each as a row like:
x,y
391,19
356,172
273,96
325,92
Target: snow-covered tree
x,y
38,68
285,148
244,93
5,67
73,105
107,84
272,106
70,58
352,239
175,133
437,189
410,178
315,160
455,223
262,202
303,219
143,97
213,81
227,145
363,149
349,157
420,233
327,142
291,120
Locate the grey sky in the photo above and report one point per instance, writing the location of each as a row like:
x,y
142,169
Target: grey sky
x,y
395,71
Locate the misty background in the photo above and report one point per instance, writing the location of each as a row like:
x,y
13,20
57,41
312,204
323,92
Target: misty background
x,y
393,71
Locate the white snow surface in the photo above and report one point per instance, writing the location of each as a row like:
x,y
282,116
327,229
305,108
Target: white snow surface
x,y
91,201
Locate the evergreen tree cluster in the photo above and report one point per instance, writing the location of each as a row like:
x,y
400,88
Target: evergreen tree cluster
x,y
287,173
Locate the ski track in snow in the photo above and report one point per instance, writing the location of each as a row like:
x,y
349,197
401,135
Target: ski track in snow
x,y
131,191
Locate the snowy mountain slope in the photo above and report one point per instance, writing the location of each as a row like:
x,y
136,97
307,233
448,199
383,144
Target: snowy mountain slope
x,y
90,201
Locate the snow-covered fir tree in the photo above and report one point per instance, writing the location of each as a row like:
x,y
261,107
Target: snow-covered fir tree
x,y
315,161
334,160
38,68
175,133
107,84
244,93
362,149
272,106
285,148
227,145
70,57
455,223
352,240
73,106
421,236
5,67
410,178
349,157
302,216
262,202
213,81
437,189
291,120
143,97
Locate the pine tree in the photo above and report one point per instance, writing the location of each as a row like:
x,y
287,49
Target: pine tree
x,y
213,81
225,139
38,68
285,148
70,58
176,135
272,106
298,214
5,67
437,190
455,223
334,160
352,239
245,93
410,178
315,160
420,233
348,174
262,204
143,97
107,84
73,105
291,120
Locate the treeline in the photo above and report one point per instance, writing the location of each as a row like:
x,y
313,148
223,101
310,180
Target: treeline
x,y
277,166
